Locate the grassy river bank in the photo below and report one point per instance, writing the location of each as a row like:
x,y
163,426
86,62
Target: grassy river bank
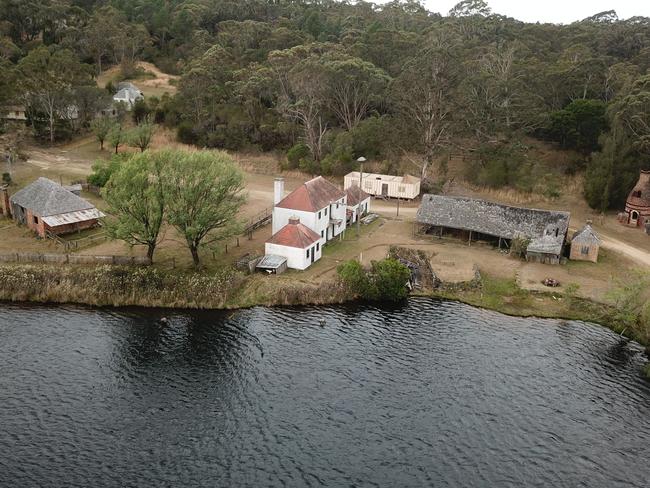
x,y
228,289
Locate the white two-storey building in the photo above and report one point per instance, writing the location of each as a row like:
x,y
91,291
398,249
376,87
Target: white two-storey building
x,y
316,204
319,205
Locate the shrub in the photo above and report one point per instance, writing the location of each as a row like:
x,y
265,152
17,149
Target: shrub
x,y
389,278
6,178
185,133
296,154
386,281
354,278
103,170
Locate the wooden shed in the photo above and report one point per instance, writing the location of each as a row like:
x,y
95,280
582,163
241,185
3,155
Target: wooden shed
x,y
386,186
585,245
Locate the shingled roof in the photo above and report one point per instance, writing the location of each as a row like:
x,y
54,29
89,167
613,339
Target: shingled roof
x,y
312,196
355,195
586,236
540,226
44,198
294,234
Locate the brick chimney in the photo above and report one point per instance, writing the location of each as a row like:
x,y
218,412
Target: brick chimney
x,y
278,190
5,208
294,220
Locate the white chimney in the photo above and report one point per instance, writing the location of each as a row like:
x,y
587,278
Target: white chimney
x,y
278,190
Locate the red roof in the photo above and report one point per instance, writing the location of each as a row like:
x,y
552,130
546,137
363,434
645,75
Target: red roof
x,y
639,197
312,196
355,195
294,235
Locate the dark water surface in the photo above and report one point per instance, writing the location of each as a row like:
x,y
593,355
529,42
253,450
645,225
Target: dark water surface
x,y
431,394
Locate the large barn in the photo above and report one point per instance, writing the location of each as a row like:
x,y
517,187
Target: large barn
x,y
473,220
46,207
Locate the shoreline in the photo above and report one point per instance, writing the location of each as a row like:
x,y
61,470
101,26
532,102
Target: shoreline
x,y
114,287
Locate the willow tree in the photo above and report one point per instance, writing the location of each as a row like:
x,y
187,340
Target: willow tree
x,y
203,192
136,200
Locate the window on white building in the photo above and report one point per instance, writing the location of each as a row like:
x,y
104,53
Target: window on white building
x,y
325,212
307,253
318,215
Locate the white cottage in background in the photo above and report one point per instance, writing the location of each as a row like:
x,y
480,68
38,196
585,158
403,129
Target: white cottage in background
x,y
128,94
296,242
387,186
358,203
317,203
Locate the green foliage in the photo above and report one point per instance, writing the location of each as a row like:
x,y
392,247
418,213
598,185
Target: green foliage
x,y
6,178
203,191
134,194
101,127
390,277
140,111
185,133
355,278
631,309
385,282
296,154
116,136
579,125
141,135
103,170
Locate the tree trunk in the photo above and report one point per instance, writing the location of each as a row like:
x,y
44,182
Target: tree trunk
x,y
101,144
151,247
116,148
195,254
51,127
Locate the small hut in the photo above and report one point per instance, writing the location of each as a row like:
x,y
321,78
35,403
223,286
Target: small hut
x,y
585,245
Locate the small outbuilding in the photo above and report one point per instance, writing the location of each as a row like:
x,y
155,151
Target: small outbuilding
x,y
358,203
272,264
296,242
585,245
48,208
385,186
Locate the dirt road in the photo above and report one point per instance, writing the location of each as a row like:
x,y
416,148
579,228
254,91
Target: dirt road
x,y
638,255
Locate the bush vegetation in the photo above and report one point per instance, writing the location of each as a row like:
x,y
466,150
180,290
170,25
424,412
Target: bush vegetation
x,y
386,281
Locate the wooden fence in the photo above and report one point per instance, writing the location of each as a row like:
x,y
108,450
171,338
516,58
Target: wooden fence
x,y
76,244
18,257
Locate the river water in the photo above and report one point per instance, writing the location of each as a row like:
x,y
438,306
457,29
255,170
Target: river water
x,y
428,394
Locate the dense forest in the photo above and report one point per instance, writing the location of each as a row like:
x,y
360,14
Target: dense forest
x,y
327,81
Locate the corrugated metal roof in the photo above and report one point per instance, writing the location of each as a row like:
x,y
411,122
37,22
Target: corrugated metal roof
x,y
312,196
355,195
540,226
44,197
271,261
294,235
73,217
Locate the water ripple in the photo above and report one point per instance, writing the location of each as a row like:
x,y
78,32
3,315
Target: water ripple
x,y
429,393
